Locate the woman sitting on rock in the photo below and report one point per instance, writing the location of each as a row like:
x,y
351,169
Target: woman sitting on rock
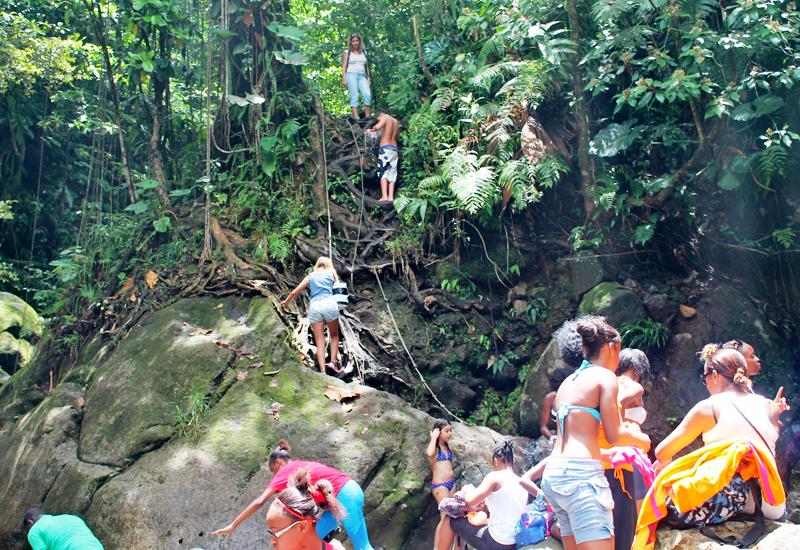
x,y
322,310
505,498
346,490
732,412
573,480
291,518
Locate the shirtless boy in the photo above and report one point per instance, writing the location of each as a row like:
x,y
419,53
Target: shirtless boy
x,y
387,155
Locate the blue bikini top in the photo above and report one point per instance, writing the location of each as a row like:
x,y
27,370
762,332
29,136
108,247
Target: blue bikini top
x,y
441,457
564,409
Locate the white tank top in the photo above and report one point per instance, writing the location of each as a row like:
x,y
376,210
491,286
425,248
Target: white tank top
x,y
505,507
358,63
732,425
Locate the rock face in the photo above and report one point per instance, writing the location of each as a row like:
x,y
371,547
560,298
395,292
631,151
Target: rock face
x,y
584,273
778,537
108,443
19,326
618,303
537,385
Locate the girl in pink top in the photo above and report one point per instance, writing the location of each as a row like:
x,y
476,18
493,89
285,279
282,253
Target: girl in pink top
x,y
346,491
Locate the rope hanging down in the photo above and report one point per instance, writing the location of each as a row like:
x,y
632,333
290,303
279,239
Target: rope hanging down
x,y
403,342
327,195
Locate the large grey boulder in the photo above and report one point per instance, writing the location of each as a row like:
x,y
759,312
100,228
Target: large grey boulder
x,y
106,444
616,302
585,271
537,385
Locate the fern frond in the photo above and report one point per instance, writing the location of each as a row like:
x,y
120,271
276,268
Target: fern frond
x,y
443,100
494,46
486,75
475,190
770,163
547,173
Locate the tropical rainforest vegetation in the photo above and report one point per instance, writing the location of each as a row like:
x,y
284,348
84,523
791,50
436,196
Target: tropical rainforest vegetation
x,y
185,138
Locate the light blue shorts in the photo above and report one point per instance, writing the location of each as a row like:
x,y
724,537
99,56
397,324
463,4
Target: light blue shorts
x,y
579,494
323,310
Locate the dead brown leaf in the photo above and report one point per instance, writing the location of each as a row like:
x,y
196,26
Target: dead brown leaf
x,y
347,407
242,375
80,402
201,331
338,394
219,306
273,383
126,286
133,297
151,278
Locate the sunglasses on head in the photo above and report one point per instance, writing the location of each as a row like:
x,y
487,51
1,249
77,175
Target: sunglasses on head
x,y
705,375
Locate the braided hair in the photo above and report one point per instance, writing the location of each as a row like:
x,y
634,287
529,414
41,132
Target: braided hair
x,y
504,453
732,365
298,497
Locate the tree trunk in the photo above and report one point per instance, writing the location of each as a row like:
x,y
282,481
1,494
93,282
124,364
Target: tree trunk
x,y
156,163
425,70
98,26
585,161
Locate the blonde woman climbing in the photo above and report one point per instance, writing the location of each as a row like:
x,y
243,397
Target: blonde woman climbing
x,y
322,310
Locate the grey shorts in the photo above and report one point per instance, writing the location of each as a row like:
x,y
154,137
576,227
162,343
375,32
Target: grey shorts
x,y
323,310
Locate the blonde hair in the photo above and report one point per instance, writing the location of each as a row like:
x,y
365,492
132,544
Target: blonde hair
x,y
323,262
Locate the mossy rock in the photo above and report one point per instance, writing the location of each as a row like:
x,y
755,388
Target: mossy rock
x,y
585,271
618,303
134,394
18,317
536,386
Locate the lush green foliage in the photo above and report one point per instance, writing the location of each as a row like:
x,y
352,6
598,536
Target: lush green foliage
x,y
645,334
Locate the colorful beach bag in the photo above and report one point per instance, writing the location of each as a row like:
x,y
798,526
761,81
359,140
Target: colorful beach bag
x,y
534,524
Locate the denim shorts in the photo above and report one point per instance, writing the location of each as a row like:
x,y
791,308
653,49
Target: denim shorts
x,y
323,310
579,494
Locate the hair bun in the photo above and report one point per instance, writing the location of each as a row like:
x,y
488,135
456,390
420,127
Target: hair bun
x,y
587,330
283,445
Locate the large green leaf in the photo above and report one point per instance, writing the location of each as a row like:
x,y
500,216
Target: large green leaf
x,y
285,31
614,139
138,207
290,57
756,108
162,224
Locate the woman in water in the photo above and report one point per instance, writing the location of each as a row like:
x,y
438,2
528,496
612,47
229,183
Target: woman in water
x,y
322,310
504,497
356,76
573,480
347,492
440,456
291,518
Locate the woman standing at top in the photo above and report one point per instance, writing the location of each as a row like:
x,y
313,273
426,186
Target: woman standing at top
x,y
322,309
573,479
356,76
